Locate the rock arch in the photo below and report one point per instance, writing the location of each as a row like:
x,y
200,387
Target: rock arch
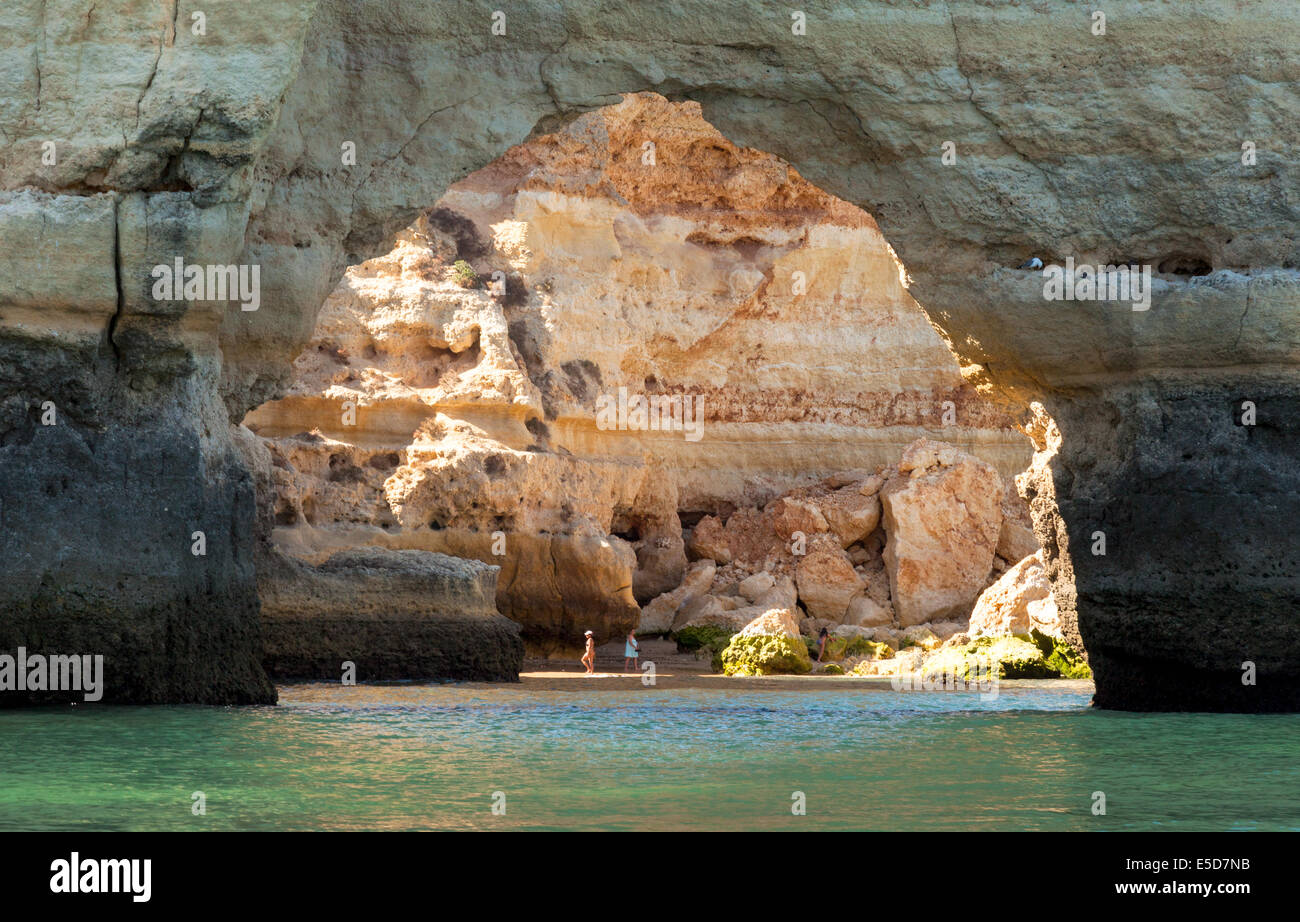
x,y
1062,147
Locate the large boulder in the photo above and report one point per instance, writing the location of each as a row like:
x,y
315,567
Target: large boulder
x,y
1019,602
754,586
864,611
827,580
657,616
702,609
708,611
851,512
775,621
768,645
1016,540
781,595
709,540
943,516
793,515
750,538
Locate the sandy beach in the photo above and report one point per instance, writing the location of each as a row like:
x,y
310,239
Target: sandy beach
x,y
675,670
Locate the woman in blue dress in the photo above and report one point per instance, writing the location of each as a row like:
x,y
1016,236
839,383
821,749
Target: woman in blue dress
x,y
631,651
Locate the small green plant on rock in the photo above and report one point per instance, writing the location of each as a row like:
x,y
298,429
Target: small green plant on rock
x,y
466,277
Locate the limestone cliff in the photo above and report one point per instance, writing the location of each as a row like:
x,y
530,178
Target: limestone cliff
x,y
461,412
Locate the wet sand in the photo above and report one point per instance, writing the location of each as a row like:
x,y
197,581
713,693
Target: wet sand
x,y
575,680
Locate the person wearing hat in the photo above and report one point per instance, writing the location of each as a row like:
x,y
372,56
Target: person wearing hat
x,y
589,658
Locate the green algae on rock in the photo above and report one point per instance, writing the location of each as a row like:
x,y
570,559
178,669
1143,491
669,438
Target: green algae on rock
x,y
875,649
1011,656
1062,657
707,639
695,636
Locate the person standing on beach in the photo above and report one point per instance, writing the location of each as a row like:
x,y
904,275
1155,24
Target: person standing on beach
x,y
822,638
589,657
631,651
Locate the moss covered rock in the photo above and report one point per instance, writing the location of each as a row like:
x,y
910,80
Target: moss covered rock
x,y
692,638
836,647
1062,657
704,640
953,661
1014,656
1011,656
860,646
832,669
765,654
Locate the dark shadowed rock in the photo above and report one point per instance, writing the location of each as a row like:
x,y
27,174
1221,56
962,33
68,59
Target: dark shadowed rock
x,y
395,614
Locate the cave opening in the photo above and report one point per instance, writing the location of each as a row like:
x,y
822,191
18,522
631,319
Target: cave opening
x,y
474,353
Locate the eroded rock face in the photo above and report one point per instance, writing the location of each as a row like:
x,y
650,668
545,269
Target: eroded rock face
x,y
1147,402
1156,453
826,580
658,616
126,513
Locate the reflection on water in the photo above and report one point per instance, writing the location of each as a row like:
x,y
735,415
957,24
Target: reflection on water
x,y
430,757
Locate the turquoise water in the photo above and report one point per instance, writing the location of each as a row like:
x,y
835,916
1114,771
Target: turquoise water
x,y
430,757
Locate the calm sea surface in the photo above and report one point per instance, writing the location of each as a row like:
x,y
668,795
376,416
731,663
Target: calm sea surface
x,y
430,757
